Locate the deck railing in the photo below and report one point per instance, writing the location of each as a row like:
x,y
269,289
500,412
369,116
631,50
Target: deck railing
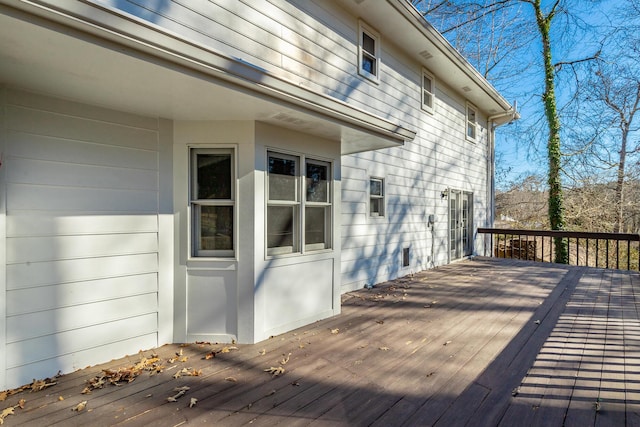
x,y
605,250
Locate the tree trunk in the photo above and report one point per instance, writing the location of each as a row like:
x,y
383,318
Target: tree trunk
x,y
556,208
619,201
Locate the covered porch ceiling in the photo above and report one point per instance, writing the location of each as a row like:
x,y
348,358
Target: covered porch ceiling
x,y
63,56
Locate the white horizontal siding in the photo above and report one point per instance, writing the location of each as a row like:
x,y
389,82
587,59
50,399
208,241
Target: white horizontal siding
x,y
82,199
66,222
23,353
51,297
439,158
45,248
79,359
51,322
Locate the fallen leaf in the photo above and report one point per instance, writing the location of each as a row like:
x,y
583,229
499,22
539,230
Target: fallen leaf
x,y
271,393
184,359
275,371
21,403
262,352
60,398
210,355
193,402
80,406
380,322
384,348
5,413
3,396
335,331
447,343
39,385
231,379
285,360
181,392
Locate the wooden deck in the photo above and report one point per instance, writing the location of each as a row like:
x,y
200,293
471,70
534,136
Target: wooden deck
x,y
482,342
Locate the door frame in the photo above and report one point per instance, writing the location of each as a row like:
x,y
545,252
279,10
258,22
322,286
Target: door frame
x,y
459,224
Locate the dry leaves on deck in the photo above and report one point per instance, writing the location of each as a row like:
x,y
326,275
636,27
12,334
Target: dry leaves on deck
x,y
213,353
275,371
124,375
5,413
188,372
181,391
80,406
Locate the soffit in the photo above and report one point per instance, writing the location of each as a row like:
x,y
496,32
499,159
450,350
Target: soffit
x,y
44,55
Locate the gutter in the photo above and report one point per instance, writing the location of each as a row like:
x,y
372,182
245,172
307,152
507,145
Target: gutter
x,y
493,122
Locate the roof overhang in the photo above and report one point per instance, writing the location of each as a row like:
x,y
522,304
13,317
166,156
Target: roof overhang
x,y
98,56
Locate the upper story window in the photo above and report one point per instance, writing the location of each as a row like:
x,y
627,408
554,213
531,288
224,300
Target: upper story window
x,y
472,123
368,52
376,197
428,92
212,202
299,204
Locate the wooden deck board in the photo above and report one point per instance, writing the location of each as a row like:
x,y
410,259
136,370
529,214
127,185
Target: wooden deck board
x,y
442,347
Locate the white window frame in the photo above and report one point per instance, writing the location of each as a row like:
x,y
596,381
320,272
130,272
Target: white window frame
x,y
300,247
382,197
363,53
428,94
471,123
196,204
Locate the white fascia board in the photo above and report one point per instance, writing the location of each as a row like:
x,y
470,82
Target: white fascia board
x,y
131,35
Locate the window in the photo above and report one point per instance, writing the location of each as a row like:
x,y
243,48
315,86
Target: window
x,y
472,123
290,210
376,197
368,53
428,92
212,202
317,219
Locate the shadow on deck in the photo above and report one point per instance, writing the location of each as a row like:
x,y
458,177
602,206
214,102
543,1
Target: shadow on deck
x,y
483,342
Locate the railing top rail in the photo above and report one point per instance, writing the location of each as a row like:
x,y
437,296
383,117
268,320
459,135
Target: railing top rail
x,y
557,233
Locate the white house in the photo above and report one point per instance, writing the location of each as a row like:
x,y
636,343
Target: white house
x,y
223,170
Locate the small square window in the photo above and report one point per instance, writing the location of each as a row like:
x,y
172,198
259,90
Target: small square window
x,y
472,124
428,92
376,197
368,53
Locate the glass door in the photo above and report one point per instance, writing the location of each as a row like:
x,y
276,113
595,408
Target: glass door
x,y
460,224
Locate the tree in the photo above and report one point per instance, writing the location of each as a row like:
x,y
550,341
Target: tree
x,y
606,136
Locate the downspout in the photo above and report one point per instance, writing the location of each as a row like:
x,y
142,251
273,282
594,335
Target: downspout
x,y
492,123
